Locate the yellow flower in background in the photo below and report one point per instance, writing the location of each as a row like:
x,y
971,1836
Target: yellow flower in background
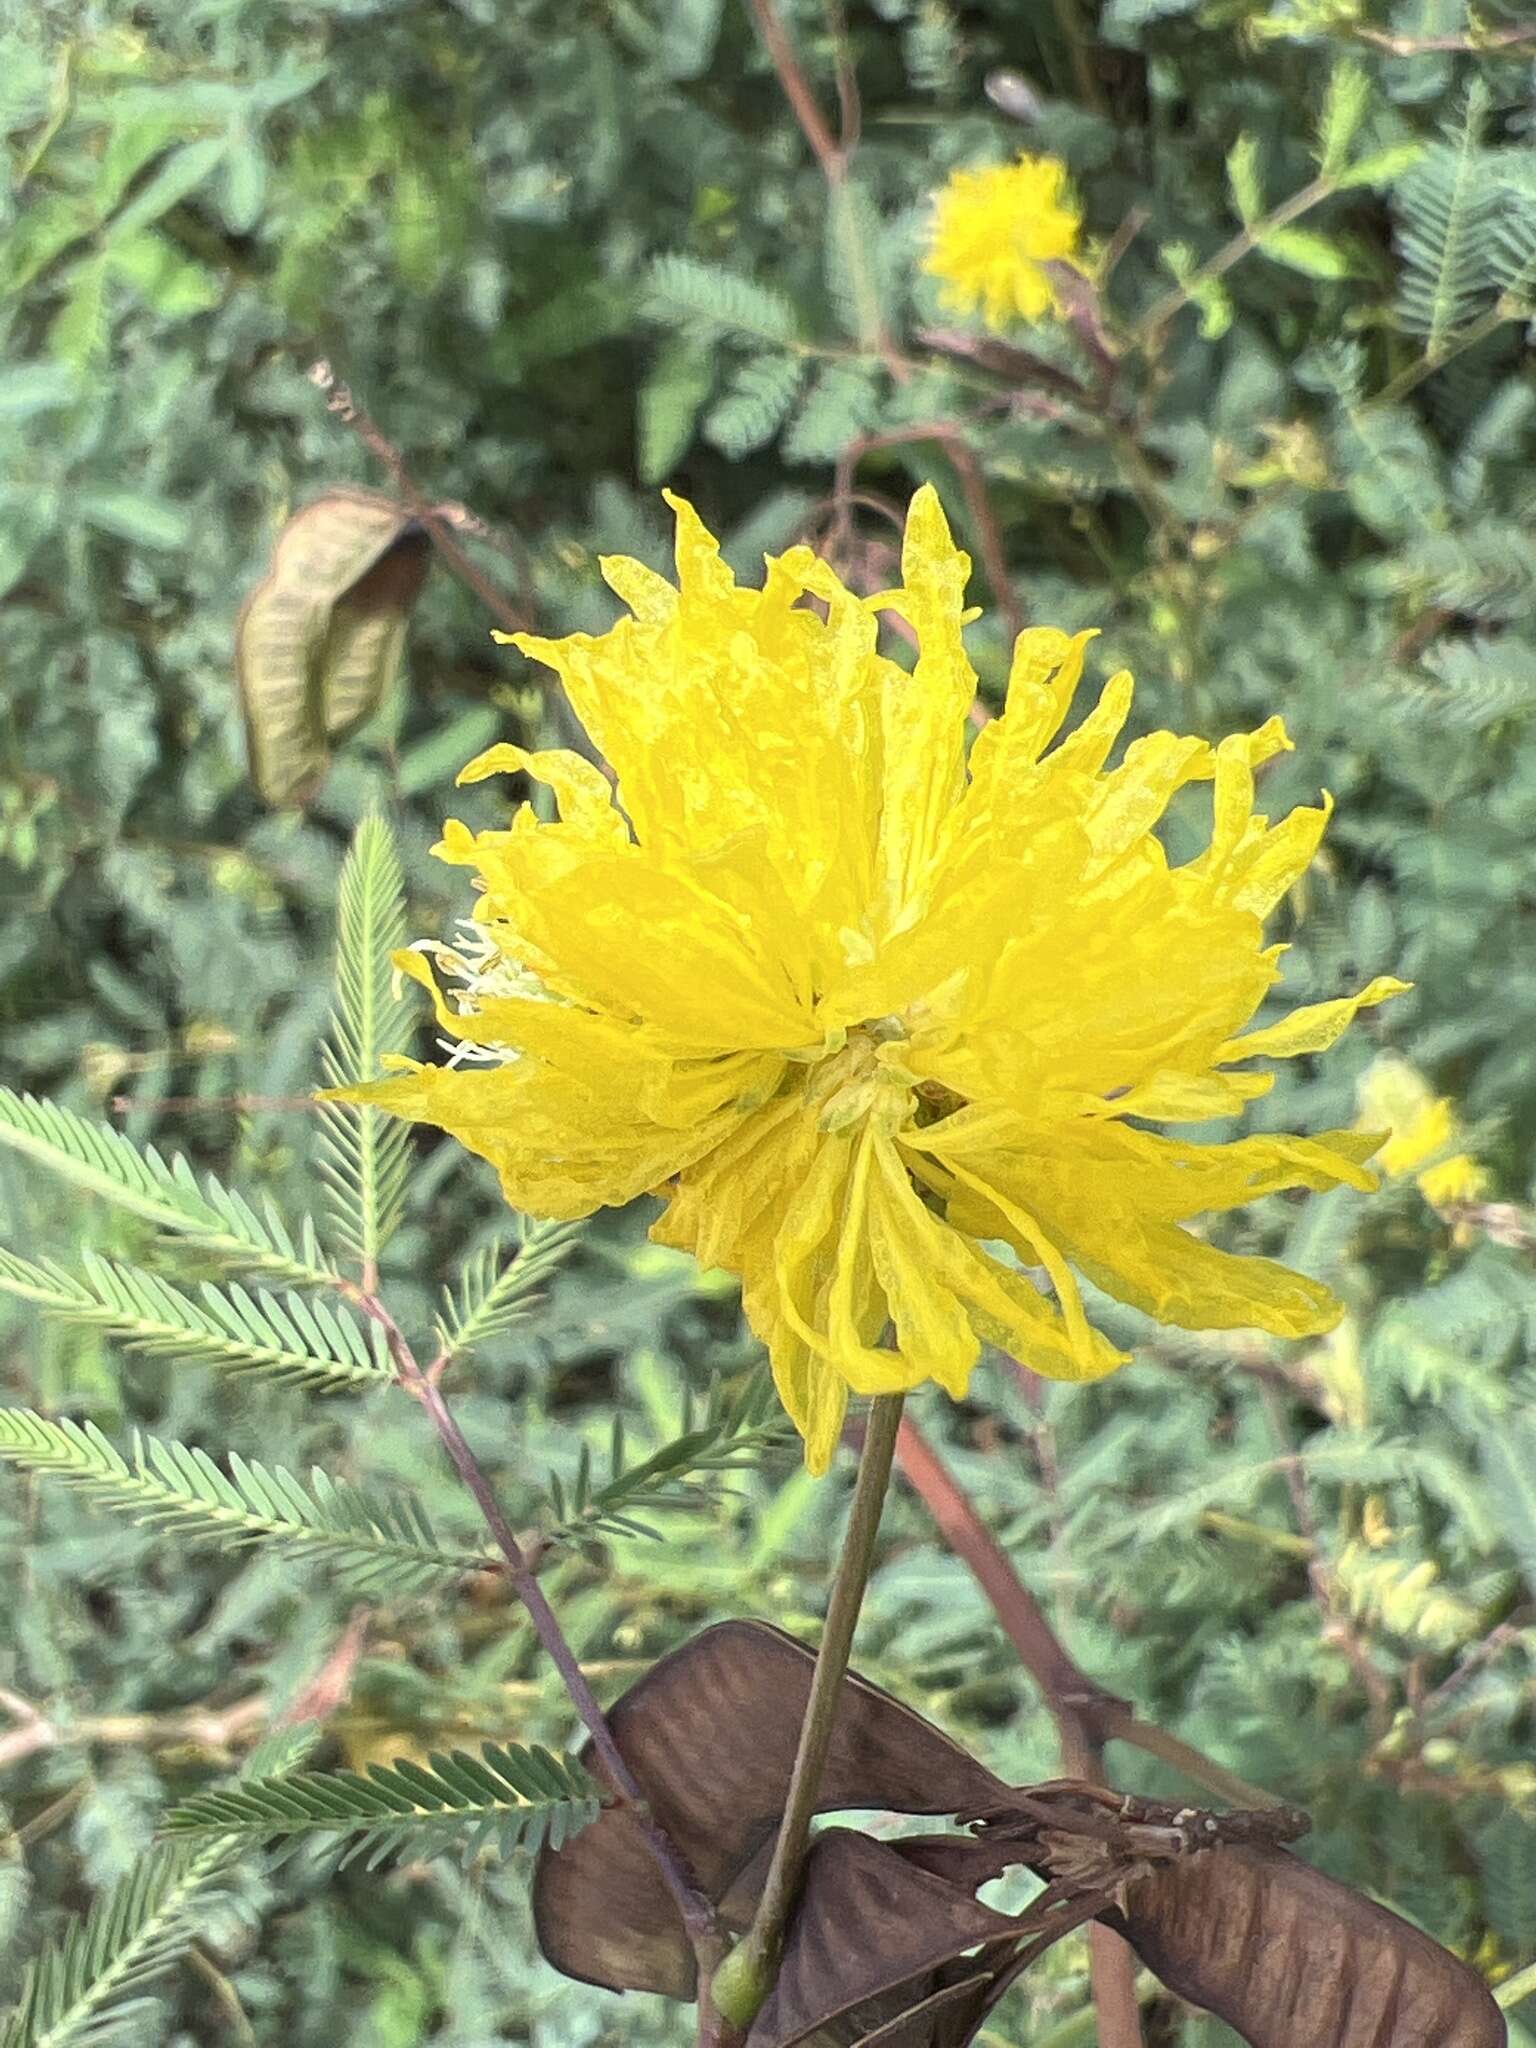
x,y
1423,1133
865,1011
992,231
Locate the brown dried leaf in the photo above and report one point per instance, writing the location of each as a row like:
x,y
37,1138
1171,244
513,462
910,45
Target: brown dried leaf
x,y
1288,1956
710,1733
319,639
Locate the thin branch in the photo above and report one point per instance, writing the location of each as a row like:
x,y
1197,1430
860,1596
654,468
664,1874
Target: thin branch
x,y
989,539
850,109
698,1915
437,519
835,156
1232,252
189,1105
1065,1686
797,89
748,1976
1504,309
1069,21
1510,1993
219,1731
215,1730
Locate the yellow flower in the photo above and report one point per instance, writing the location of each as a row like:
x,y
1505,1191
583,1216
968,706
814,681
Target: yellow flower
x,y
992,231
1422,1130
864,1011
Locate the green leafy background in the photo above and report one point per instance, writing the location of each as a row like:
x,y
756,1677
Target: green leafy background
x,y
564,255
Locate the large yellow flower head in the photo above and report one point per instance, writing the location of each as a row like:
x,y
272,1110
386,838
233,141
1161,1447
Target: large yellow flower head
x,y
867,1012
993,229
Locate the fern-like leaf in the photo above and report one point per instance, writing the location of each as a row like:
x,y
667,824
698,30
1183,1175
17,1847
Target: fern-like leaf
x,y
841,404
493,1295
759,400
364,1154
515,1798
699,298
89,1984
1444,208
1514,235
730,1435
373,1542
287,1338
165,1193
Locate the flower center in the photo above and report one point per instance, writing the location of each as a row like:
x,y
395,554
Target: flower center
x,y
865,1080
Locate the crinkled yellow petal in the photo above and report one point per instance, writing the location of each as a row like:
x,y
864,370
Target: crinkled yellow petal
x,y
1182,1280
613,929
1046,669
727,1209
1085,751
581,789
1128,803
1312,1028
934,1276
924,722
559,1150
1174,1098
1087,1344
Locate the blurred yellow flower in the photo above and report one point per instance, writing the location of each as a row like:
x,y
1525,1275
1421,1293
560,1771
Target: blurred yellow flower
x,y
993,229
865,1011
1422,1133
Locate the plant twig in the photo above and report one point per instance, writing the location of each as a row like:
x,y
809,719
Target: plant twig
x,y
835,156
747,1977
1064,1684
950,437
215,1729
1069,21
1171,302
340,401
1085,1714
1514,1989
698,1915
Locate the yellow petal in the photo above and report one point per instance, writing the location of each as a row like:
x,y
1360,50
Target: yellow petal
x,y
1046,669
581,789
937,1279
924,718
1174,1098
1180,1279
1312,1028
1087,1344
559,1151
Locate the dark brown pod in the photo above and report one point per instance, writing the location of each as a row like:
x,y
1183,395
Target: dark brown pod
x,y
1287,1956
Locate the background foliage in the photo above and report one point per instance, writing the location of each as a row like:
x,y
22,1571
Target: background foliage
x,y
564,255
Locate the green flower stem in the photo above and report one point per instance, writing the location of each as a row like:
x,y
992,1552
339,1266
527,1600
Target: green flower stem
x,y
745,1978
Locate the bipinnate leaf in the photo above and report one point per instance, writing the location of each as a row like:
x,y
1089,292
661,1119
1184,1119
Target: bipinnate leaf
x,y
513,1797
101,1161
319,639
